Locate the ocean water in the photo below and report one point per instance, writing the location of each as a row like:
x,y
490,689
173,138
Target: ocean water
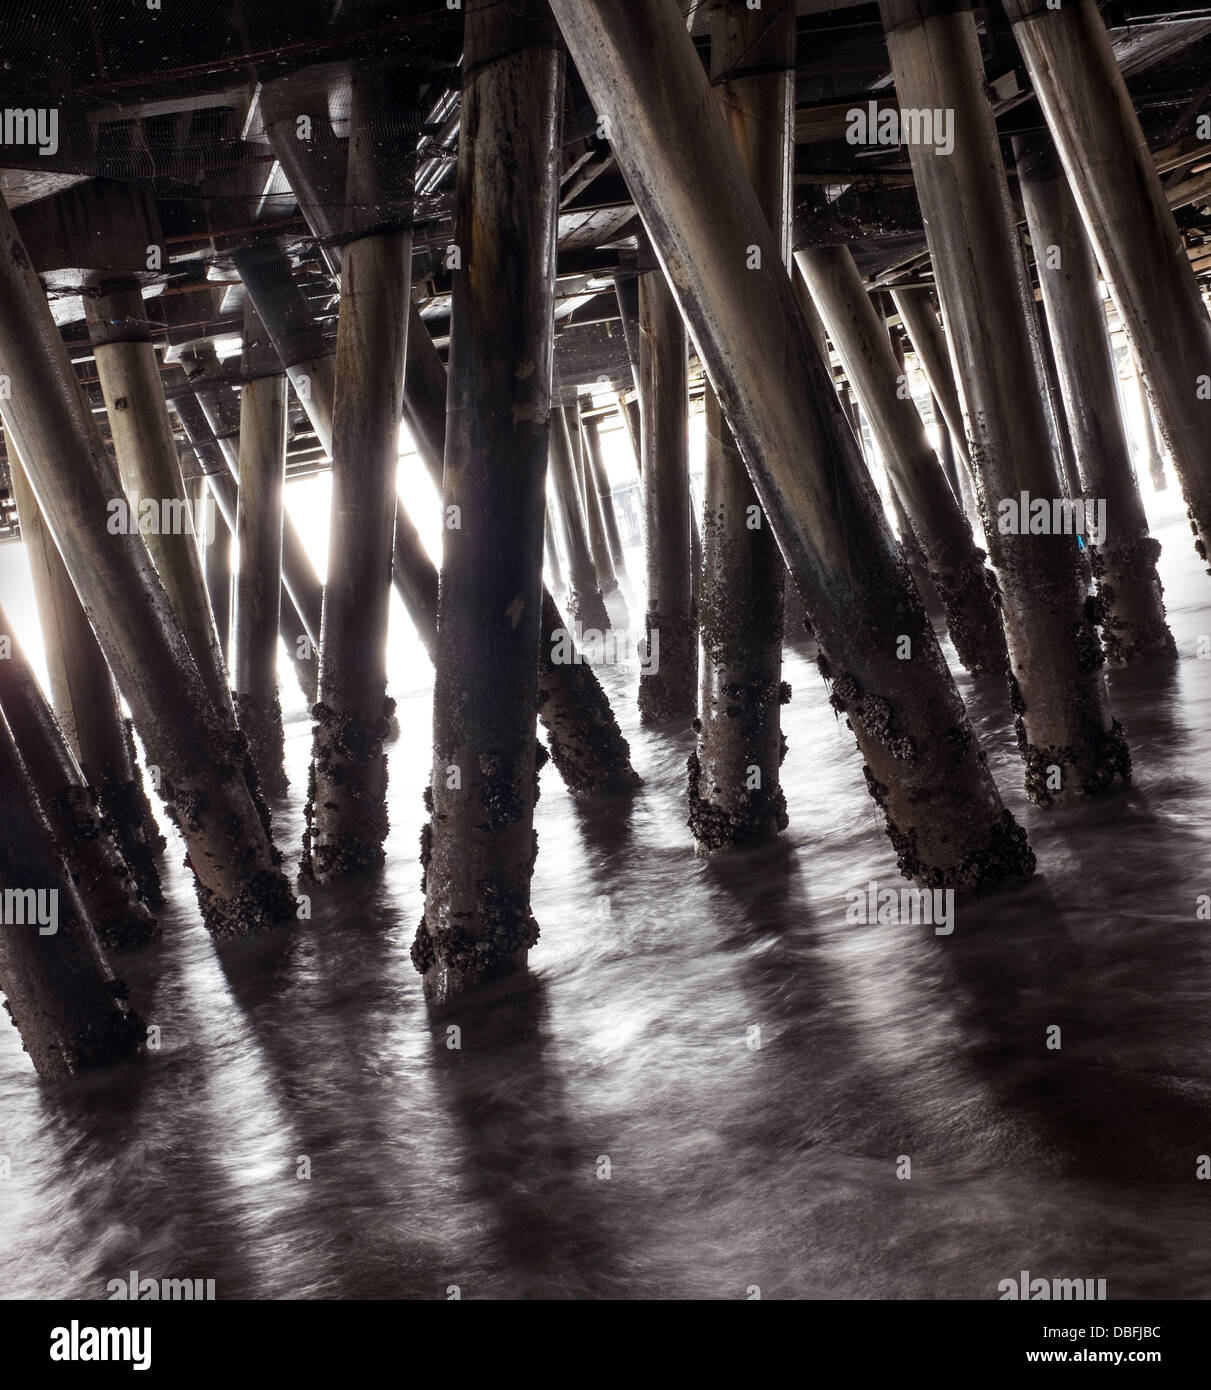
x,y
710,1081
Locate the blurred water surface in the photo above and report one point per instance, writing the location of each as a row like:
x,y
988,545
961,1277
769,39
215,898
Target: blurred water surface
x,y
745,1066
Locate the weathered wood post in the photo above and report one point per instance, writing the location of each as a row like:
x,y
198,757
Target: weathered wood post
x,y
288,320
603,563
479,847
218,402
629,409
347,809
591,432
1113,178
91,855
300,633
129,373
735,792
668,678
1130,610
919,315
626,291
909,545
923,763
551,544
211,420
595,503
415,579
586,744
1152,444
60,992
947,454
584,600
290,328
85,700
1143,440
191,739
214,545
311,155
310,365
256,605
1069,742
955,566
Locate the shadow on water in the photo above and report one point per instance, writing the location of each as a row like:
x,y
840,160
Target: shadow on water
x,y
787,1099
559,1225
1083,1020
332,1007
607,826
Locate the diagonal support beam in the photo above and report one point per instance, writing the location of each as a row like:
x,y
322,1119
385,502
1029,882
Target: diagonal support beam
x,y
923,764
191,739
1114,180
1068,739
966,589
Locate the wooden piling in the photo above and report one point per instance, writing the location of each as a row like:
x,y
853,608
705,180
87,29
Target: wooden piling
x,y
91,855
603,527
551,550
479,847
129,373
948,455
590,509
1152,443
923,763
734,788
190,739
211,423
60,992
1122,202
256,606
1129,607
629,409
1145,440
966,589
919,315
299,632
584,600
626,291
85,700
1049,392
346,808
1069,741
585,742
214,546
668,677
283,310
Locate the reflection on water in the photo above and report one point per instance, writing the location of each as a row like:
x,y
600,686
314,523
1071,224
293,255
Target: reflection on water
x,y
710,1080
